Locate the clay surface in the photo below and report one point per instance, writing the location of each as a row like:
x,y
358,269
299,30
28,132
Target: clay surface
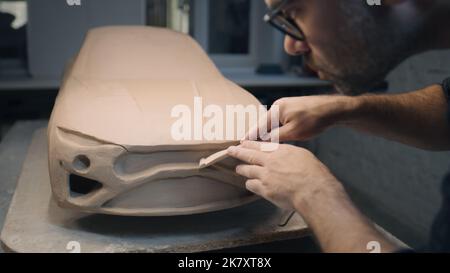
x,y
110,144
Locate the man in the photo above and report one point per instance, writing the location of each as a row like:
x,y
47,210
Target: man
x,y
354,45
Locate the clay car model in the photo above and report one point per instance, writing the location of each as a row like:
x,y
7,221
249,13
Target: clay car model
x,y
111,147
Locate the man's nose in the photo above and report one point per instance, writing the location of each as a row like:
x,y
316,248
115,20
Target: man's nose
x,y
295,47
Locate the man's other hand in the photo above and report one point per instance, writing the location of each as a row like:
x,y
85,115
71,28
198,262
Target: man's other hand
x,y
303,118
289,177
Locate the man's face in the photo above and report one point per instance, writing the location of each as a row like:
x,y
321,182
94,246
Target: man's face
x,y
347,42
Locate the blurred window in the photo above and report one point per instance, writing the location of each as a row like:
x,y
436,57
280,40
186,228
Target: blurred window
x,y
229,26
232,32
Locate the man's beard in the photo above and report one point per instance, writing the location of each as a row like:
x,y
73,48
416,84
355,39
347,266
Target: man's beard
x,y
354,75
367,48
349,78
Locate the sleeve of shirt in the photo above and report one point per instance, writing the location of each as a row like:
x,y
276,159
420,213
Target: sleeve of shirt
x,y
446,88
440,231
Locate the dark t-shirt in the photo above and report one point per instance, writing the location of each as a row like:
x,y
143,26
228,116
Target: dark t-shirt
x,y
440,231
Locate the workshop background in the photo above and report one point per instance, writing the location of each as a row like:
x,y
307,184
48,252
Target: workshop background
x,y
397,186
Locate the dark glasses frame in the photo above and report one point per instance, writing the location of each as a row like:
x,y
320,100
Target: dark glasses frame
x,y
280,21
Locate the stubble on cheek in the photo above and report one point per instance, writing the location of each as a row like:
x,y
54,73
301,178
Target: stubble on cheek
x,y
320,64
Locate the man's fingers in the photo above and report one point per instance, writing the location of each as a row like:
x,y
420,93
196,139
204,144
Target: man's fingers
x,y
283,133
262,128
254,185
250,156
253,133
260,146
250,171
253,145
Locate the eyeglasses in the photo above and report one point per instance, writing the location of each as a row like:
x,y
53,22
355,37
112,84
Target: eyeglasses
x,y
278,19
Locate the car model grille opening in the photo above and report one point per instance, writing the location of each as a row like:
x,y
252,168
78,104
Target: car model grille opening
x,y
81,185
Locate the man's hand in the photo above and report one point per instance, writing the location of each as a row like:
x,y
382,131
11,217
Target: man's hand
x,y
418,118
293,178
302,118
288,177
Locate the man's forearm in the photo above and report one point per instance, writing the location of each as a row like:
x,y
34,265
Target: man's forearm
x,y
417,118
339,226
